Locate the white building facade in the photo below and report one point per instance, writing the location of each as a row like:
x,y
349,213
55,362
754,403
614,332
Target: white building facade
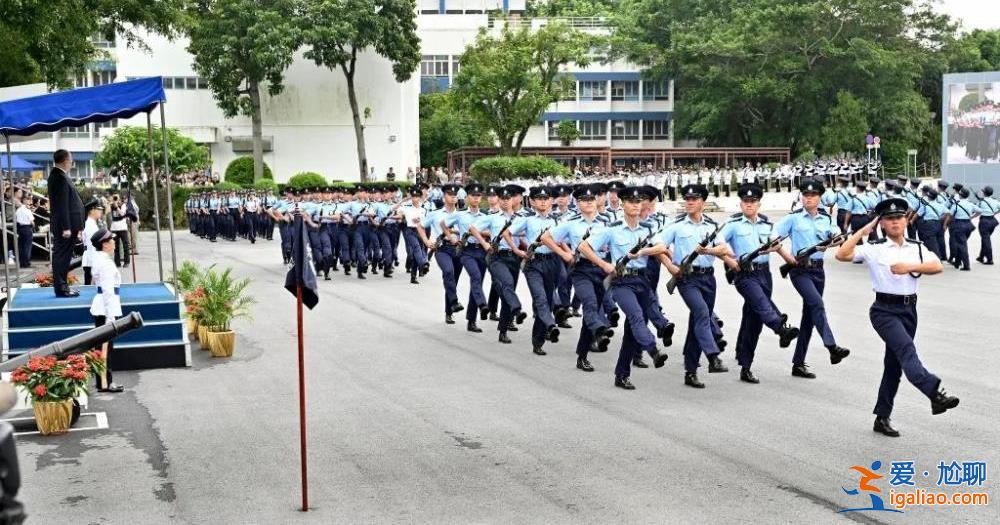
x,y
612,106
307,127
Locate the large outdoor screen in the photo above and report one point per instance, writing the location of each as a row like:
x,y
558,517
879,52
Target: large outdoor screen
x,y
974,123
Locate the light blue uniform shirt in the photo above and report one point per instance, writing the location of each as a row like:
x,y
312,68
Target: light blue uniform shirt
x,y
685,235
858,204
619,238
945,202
989,207
932,211
461,221
327,210
829,197
843,198
213,204
807,230
494,222
744,236
233,202
912,199
964,210
572,231
433,221
531,228
359,210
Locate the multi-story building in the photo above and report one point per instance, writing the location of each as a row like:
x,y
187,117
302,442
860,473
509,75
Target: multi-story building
x,y
611,105
308,127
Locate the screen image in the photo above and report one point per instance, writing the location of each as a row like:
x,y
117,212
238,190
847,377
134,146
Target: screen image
x,y
973,131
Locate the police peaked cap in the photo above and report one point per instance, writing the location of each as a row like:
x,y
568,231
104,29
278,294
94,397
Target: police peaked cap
x,y
655,193
812,186
451,189
694,191
474,188
751,191
93,204
616,186
541,192
586,191
890,208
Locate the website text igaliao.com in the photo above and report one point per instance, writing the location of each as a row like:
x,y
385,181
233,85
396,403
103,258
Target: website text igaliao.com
x,y
921,497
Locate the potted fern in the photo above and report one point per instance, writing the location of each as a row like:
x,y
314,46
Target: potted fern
x,y
226,299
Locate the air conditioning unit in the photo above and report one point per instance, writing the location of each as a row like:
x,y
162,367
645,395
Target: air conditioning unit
x,y
245,144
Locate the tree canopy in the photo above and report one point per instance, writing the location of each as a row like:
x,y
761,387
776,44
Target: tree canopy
x,y
444,126
507,82
128,149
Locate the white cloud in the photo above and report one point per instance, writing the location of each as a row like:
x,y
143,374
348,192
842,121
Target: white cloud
x,y
974,14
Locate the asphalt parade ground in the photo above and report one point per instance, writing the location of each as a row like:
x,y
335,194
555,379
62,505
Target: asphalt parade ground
x,y
415,421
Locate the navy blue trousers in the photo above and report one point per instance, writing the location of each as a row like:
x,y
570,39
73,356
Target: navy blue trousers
x,y
210,229
896,324
360,239
986,227
451,269
505,270
809,282
588,282
542,276
698,292
474,261
758,311
960,231
414,247
632,294
930,233
564,292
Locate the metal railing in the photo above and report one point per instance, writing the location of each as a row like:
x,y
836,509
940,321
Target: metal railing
x,y
576,22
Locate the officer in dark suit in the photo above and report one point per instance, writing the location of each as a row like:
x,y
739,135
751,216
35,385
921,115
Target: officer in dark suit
x,y
66,209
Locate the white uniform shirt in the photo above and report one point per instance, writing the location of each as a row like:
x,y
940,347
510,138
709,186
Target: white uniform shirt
x,y
880,257
118,225
23,216
89,252
108,280
250,206
413,215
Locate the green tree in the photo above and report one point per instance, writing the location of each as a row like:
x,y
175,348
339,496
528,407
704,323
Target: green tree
x,y
490,170
128,149
240,171
49,41
507,82
307,179
444,127
567,132
556,8
238,45
337,31
766,72
845,128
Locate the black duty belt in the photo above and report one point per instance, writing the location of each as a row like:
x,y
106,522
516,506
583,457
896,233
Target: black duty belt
x,y
633,272
812,263
117,290
544,256
758,266
891,298
702,270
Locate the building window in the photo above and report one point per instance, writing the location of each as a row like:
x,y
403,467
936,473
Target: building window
x,y
553,128
434,66
625,129
101,78
192,82
168,82
570,93
100,42
80,80
624,90
111,124
76,132
656,129
455,64
656,90
593,129
593,90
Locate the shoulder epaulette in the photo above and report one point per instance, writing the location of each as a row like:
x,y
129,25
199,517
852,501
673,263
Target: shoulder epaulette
x,y
708,219
680,215
736,215
764,218
616,223
914,241
822,211
878,241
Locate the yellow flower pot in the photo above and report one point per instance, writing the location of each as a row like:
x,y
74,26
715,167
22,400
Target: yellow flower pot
x,y
222,344
53,417
202,336
192,327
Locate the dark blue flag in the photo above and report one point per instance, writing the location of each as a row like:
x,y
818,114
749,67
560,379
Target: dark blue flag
x,y
302,272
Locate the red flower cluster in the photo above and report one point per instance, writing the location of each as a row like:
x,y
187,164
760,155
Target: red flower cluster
x,y
41,364
49,379
40,390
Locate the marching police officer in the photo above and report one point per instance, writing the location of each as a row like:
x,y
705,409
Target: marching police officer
x,y
746,233
807,228
989,207
896,264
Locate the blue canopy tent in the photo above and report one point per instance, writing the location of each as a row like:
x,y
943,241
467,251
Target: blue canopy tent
x,y
18,164
79,107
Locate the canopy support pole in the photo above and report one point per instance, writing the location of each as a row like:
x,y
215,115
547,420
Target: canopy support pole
x,y
13,210
3,213
156,198
170,197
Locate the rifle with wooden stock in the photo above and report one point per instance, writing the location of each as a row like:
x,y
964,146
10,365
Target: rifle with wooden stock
x,y
688,262
747,259
804,254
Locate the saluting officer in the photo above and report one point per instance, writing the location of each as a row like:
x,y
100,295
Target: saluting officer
x,y
895,264
807,228
744,233
988,209
630,290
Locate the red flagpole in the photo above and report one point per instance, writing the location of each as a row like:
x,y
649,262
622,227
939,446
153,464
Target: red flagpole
x,y
302,401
